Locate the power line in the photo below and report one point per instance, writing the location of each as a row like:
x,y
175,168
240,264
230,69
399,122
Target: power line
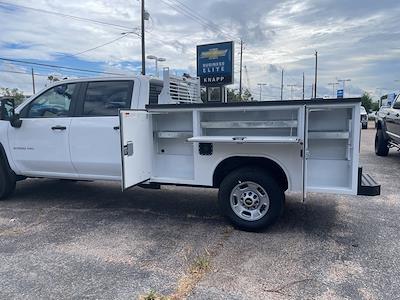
x,y
67,16
187,12
59,67
20,72
99,46
207,22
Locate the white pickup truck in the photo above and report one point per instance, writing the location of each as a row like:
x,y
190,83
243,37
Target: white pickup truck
x,y
151,132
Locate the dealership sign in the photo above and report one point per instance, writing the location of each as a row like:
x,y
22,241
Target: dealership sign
x,y
215,64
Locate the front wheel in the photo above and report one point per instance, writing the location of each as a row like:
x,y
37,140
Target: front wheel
x,y
251,198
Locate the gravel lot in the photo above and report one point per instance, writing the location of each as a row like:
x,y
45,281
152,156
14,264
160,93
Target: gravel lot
x,y
63,240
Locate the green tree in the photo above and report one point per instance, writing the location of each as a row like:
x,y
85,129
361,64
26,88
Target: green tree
x,y
246,95
366,101
15,93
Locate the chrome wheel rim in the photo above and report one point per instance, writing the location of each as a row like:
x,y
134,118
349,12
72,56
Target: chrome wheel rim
x,y
249,201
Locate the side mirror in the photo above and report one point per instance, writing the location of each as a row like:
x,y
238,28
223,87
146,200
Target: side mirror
x,y
15,121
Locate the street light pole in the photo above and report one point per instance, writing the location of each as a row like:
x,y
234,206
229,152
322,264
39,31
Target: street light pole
x,y
157,59
261,85
316,74
291,90
344,83
333,84
143,41
282,86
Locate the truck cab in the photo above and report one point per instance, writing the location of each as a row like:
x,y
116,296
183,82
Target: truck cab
x,y
71,129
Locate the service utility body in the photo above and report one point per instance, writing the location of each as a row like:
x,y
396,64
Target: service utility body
x,y
148,132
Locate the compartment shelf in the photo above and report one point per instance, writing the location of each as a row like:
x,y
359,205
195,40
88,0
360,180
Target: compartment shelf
x,y
244,139
173,134
250,124
342,135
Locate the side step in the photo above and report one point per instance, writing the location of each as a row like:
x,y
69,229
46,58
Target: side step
x,y
367,186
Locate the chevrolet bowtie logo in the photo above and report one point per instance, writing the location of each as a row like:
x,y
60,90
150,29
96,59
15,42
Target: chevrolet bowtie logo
x,y
213,53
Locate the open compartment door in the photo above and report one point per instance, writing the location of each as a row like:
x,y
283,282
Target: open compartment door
x,y
136,147
331,149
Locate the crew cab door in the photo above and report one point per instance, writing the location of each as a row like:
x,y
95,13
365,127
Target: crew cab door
x,y
40,147
393,120
94,135
136,147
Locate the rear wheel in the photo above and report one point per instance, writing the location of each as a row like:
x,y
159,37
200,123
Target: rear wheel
x,y
251,198
381,143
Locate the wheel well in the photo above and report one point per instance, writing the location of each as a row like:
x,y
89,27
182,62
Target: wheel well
x,y
4,162
232,163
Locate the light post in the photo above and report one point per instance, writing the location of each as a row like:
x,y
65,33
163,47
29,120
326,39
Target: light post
x,y
344,83
261,85
292,86
156,59
333,84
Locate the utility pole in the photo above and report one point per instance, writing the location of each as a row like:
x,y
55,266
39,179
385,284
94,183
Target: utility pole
x,y
316,74
291,90
33,82
303,84
241,67
261,85
143,41
343,81
282,86
333,84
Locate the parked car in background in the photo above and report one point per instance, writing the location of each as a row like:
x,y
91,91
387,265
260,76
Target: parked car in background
x,y
364,117
388,128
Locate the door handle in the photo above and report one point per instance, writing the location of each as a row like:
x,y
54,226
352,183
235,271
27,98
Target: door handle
x,y
116,127
58,127
397,115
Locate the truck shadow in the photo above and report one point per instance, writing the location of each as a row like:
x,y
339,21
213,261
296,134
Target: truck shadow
x,y
315,216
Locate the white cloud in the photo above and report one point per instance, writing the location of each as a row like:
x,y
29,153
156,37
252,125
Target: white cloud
x,y
354,39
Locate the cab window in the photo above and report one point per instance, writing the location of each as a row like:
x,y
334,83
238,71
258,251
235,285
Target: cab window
x,y
105,98
54,103
396,104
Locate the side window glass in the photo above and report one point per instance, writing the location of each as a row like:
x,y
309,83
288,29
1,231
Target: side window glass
x,y
54,103
396,104
105,98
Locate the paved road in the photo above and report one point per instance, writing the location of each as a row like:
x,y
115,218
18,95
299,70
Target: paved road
x,y
87,240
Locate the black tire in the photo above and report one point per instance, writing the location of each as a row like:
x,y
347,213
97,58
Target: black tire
x,y
7,183
262,178
365,126
381,144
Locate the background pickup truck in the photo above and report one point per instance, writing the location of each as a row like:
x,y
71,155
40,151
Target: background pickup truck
x,y
388,128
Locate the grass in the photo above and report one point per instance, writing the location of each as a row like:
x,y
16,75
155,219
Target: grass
x,y
201,264
152,295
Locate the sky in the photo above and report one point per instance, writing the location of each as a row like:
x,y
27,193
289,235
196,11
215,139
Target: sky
x,y
357,40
